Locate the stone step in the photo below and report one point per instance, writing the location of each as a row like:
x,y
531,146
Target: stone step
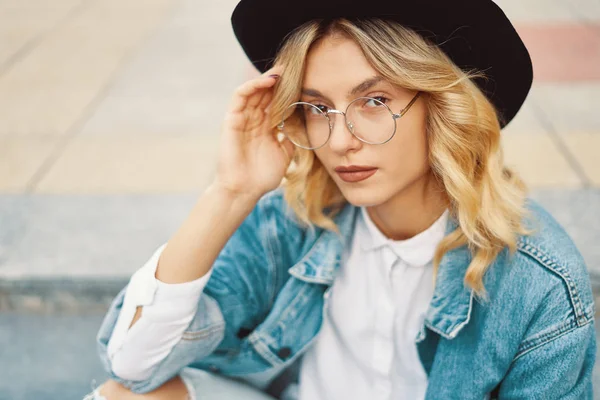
x,y
68,253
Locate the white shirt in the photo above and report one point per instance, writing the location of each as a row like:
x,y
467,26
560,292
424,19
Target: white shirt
x,y
375,310
366,346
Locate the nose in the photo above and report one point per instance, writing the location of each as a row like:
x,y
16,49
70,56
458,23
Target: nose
x,y
342,140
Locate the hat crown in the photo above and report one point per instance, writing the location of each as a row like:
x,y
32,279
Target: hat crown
x,y
475,34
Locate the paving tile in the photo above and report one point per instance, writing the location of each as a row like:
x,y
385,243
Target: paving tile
x,y
538,161
10,5
32,344
61,77
538,11
563,52
525,122
585,10
578,211
585,146
23,24
569,107
20,159
192,77
103,164
13,220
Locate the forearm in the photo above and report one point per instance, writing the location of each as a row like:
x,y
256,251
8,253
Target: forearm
x,y
192,250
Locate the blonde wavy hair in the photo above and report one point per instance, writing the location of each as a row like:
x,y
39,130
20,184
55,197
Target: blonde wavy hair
x,y
463,131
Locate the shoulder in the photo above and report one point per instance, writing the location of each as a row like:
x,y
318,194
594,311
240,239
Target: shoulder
x,y
273,203
549,247
549,244
551,276
274,214
544,288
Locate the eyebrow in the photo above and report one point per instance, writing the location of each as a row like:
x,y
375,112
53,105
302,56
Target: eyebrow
x,y
361,87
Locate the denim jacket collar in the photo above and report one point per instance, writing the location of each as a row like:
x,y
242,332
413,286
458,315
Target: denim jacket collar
x,y
450,307
321,262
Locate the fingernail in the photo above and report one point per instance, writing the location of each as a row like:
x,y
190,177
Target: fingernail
x,y
274,76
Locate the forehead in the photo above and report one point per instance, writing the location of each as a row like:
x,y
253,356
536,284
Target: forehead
x,y
335,62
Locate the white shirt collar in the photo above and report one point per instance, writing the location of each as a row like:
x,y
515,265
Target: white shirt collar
x,y
417,250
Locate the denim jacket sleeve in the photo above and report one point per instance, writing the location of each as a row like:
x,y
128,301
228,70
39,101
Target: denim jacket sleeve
x,y
233,290
556,368
556,355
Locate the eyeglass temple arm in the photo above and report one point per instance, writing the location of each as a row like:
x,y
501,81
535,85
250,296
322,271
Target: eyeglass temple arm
x,y
405,109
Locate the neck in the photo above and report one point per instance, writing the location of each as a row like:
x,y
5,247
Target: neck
x,y
411,211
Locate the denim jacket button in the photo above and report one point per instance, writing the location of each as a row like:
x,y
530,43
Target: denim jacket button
x,y
243,332
284,352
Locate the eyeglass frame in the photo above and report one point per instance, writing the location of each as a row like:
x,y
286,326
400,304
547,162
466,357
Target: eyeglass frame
x,y
394,116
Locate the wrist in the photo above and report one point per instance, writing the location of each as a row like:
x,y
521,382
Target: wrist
x,y
233,197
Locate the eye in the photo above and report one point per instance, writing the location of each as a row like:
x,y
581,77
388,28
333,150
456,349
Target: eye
x,y
313,110
321,107
371,103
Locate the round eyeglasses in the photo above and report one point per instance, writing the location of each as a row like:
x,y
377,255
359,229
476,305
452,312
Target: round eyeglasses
x,y
368,119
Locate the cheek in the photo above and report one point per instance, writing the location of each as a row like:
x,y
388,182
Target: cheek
x,y
407,153
323,155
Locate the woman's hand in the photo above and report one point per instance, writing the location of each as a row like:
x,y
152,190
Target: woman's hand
x,y
251,159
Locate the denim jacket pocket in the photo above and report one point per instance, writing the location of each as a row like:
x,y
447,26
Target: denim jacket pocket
x,y
208,323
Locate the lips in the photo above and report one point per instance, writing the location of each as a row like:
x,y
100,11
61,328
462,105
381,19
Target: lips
x,y
355,173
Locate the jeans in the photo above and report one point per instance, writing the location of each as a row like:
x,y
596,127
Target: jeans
x,y
203,385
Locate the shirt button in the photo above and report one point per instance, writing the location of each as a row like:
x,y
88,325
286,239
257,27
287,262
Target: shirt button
x,y
284,352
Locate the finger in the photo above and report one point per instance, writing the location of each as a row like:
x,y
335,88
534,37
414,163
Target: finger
x,y
256,100
243,93
266,100
277,70
265,80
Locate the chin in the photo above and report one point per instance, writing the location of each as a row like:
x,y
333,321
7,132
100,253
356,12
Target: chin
x,y
367,196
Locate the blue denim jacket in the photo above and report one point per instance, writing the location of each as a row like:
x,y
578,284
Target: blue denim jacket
x,y
263,307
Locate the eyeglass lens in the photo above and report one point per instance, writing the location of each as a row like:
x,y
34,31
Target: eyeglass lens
x,y
308,126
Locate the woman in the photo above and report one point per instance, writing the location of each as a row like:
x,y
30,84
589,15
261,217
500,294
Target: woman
x,y
399,259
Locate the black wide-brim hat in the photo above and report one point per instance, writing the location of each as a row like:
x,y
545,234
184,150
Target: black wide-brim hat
x,y
475,34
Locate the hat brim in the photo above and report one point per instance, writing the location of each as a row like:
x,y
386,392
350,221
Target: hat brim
x,y
475,34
